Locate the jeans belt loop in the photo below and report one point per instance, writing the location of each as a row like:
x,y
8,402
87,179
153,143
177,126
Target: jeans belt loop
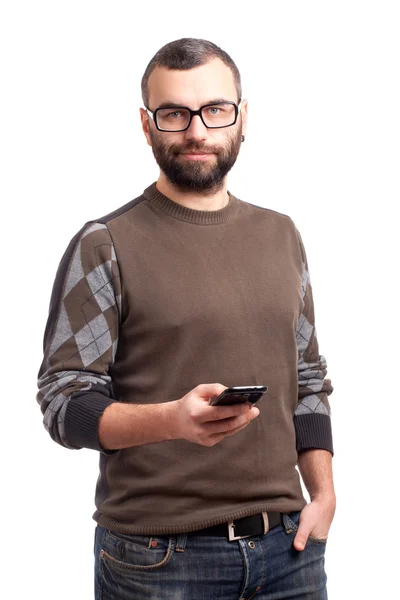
x,y
181,540
266,522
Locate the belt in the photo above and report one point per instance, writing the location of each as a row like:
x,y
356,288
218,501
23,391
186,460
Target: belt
x,y
242,528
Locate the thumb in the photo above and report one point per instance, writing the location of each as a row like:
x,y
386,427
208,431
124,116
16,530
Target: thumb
x,y
302,535
209,390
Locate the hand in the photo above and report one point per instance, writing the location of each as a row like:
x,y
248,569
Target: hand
x,y
198,422
315,520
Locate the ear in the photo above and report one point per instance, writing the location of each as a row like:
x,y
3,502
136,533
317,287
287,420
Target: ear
x,y
145,118
244,112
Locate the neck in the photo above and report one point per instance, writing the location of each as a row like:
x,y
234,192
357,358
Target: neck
x,y
195,200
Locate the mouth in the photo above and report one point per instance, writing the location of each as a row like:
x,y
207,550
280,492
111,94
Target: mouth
x,y
197,155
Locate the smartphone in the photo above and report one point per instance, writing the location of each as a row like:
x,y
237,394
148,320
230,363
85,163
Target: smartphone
x,y
239,394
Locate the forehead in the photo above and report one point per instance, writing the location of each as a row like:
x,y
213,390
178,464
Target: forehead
x,y
192,87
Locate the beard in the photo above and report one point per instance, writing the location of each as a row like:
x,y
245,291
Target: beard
x,y
204,176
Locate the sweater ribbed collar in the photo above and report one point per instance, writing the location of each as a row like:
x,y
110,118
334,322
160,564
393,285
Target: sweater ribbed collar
x,y
191,215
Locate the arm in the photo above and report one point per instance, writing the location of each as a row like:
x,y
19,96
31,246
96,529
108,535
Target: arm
x,y
80,340
313,423
190,418
316,517
312,416
125,425
315,467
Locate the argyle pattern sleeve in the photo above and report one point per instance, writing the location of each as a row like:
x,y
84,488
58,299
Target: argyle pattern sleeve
x,y
312,416
80,340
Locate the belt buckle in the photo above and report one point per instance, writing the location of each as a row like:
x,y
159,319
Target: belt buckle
x,y
231,532
231,529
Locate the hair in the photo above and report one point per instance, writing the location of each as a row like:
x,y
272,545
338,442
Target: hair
x,y
185,54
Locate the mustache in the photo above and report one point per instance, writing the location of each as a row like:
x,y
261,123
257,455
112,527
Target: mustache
x,y
197,148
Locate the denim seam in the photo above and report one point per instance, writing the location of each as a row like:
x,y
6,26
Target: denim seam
x,y
263,569
129,567
242,547
116,537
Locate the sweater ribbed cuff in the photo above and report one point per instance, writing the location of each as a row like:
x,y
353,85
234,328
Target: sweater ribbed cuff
x,y
313,431
82,420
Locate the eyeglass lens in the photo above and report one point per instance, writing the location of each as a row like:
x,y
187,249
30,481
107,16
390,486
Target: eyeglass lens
x,y
217,115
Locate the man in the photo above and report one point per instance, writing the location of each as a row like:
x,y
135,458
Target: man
x,y
183,287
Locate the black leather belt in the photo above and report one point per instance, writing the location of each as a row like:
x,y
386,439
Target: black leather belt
x,y
242,528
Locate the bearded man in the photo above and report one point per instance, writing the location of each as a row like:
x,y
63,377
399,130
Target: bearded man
x,y
159,307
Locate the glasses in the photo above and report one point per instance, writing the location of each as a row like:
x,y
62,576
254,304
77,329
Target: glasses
x,y
178,118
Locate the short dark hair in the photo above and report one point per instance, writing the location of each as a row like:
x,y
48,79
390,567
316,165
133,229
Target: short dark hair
x,y
185,54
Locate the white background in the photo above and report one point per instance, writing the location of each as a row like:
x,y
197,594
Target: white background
x,y
322,79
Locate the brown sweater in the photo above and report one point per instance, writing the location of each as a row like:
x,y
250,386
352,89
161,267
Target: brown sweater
x,y
156,298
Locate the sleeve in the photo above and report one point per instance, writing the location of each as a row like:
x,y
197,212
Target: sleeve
x,y
80,340
312,418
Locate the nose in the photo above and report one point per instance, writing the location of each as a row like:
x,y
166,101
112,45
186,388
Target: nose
x,y
197,130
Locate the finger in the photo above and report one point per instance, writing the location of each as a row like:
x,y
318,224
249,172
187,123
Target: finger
x,y
218,437
219,413
208,390
302,534
230,426
238,429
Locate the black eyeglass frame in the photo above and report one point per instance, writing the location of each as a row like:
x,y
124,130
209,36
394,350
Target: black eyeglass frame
x,y
193,113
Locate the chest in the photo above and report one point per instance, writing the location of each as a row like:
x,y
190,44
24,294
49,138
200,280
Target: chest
x,y
189,279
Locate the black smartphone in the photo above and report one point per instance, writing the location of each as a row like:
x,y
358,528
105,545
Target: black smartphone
x,y
239,394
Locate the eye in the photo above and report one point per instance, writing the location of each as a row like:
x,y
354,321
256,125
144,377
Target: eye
x,y
174,115
213,111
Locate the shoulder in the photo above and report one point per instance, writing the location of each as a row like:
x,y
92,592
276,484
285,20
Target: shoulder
x,y
264,212
275,218
123,210
95,233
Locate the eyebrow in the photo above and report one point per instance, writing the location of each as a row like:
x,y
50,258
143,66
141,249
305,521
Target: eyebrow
x,y
175,105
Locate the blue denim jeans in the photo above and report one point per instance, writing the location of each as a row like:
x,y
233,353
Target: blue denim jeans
x,y
194,567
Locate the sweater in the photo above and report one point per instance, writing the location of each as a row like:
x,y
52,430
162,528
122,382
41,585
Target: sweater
x,y
156,298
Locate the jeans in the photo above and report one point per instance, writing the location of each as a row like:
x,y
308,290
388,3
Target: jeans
x,y
194,567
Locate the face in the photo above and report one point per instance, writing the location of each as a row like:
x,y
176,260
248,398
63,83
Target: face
x,y
172,150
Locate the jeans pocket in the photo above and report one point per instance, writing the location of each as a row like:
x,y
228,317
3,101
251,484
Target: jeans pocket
x,y
291,525
124,552
131,538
